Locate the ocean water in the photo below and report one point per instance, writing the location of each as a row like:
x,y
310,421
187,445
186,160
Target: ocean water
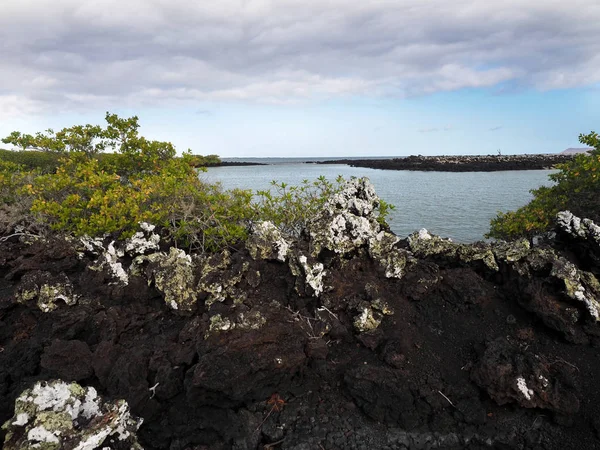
x,y
455,205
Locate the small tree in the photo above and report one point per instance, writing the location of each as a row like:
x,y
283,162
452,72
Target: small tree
x,y
42,141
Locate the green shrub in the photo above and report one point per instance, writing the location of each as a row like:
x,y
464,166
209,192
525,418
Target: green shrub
x,y
90,193
576,188
32,160
83,199
12,177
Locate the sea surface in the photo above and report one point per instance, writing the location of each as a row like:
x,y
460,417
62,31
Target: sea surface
x,y
450,204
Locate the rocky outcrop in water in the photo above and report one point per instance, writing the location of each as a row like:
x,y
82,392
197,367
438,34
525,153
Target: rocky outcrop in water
x,y
475,163
351,338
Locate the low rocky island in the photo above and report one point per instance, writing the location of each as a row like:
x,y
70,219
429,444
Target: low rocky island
x,y
490,163
348,338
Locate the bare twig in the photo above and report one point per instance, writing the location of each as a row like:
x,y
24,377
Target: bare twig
x,y
273,444
560,360
153,390
449,401
265,419
326,309
535,421
6,238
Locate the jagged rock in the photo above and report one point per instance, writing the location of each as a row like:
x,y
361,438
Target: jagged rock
x,y
92,245
583,236
55,415
143,241
577,227
267,242
533,381
348,220
371,313
110,256
173,275
47,290
578,285
212,376
250,320
425,245
220,278
109,260
309,277
511,251
395,261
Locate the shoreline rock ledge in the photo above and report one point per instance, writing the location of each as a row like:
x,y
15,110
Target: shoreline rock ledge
x,y
347,338
464,163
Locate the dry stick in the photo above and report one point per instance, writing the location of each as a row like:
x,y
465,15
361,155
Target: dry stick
x,y
265,419
6,238
560,360
535,421
326,309
440,392
273,444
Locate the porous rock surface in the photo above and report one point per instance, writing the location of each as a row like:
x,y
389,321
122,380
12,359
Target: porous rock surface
x,y
55,415
351,338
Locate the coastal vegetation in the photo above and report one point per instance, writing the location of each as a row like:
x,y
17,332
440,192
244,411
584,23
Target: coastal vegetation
x,y
576,188
68,184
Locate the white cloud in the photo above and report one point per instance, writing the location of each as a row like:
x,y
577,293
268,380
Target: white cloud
x,y
87,54
17,106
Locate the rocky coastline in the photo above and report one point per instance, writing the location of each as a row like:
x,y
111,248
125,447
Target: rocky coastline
x,y
238,163
465,163
349,338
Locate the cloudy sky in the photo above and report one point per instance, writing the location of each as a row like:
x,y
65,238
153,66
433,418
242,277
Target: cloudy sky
x,y
309,77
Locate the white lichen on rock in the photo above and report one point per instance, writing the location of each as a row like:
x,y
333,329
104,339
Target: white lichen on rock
x,y
348,219
47,294
424,244
267,242
522,387
424,234
575,226
54,414
220,278
395,261
579,285
251,320
367,320
143,241
109,260
92,245
371,315
173,276
511,251
313,275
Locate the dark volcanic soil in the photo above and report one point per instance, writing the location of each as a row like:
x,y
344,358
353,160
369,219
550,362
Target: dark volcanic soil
x,y
441,371
460,163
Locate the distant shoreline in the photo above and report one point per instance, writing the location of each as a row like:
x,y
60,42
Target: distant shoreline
x,y
238,163
466,163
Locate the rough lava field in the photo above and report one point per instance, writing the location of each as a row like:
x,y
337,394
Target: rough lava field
x,y
348,338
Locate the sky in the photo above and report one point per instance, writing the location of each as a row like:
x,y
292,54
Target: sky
x,y
255,78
